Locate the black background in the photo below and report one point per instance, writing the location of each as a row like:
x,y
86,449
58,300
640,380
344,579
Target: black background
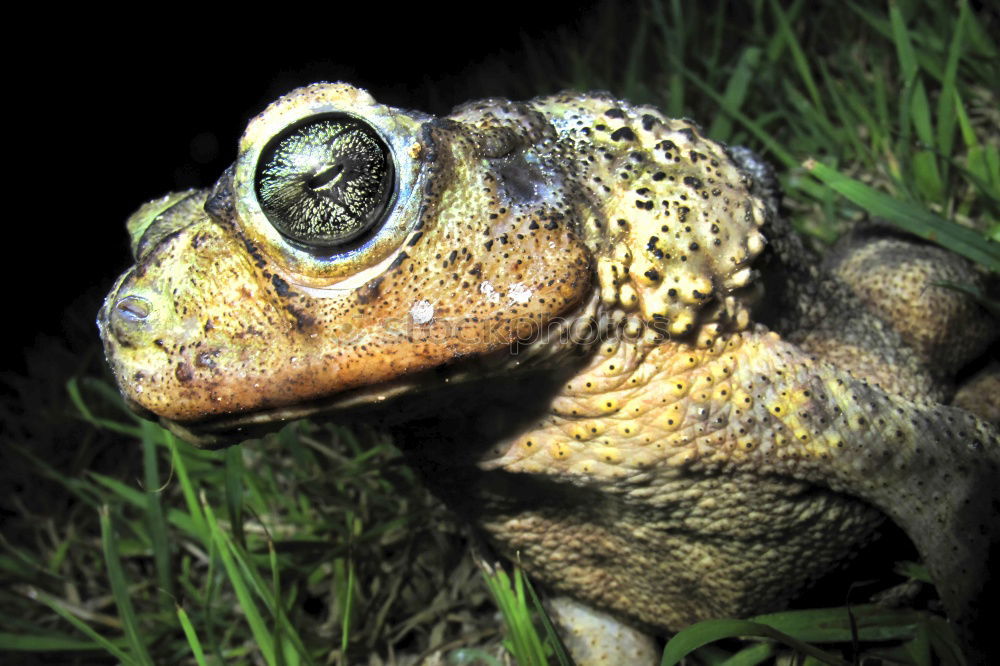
x,y
108,111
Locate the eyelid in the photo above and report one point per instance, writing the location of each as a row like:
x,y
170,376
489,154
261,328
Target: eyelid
x,y
401,132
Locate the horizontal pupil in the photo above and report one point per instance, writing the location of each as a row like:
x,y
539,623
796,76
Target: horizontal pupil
x,y
324,177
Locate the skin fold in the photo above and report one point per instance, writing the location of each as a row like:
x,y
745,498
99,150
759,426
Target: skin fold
x,y
592,333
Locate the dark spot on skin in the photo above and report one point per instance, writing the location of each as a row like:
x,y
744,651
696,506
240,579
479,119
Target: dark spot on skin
x,y
302,320
184,373
648,121
659,175
280,286
691,181
519,179
652,274
488,244
651,247
623,134
614,113
415,239
370,291
258,259
398,261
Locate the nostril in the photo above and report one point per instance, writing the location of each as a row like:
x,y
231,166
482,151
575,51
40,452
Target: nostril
x,y
133,308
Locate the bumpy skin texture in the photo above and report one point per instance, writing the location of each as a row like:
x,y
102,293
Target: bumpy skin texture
x,y
649,449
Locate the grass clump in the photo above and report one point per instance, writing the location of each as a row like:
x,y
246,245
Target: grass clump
x,y
314,545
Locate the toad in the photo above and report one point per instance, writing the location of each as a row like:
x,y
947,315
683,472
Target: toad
x,y
591,332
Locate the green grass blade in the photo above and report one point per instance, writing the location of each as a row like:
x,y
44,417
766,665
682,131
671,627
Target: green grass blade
x,y
187,488
913,570
926,176
111,647
76,397
138,499
904,47
225,550
552,636
45,643
969,137
798,55
846,113
866,622
234,492
346,597
920,114
119,589
755,127
735,92
946,107
525,644
192,637
709,631
672,38
751,656
272,558
155,521
253,582
633,68
982,41
919,648
880,101
911,217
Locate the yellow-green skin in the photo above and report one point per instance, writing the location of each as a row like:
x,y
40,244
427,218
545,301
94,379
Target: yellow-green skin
x,y
680,463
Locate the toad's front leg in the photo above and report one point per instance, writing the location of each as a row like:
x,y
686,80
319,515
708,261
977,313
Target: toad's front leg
x,y
674,483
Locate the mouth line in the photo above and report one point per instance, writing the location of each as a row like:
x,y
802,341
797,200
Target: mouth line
x,y
226,430
222,431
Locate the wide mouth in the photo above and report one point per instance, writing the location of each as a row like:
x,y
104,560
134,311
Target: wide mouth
x,y
226,430
433,386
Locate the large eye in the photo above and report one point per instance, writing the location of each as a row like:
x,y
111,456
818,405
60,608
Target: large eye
x,y
325,182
